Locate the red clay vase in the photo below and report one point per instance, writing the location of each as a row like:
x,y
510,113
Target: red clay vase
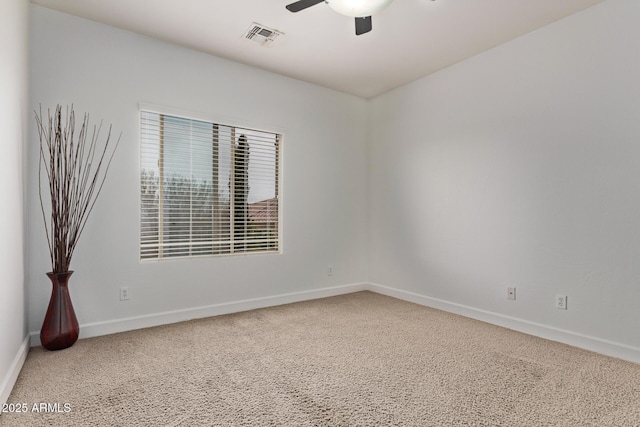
x,y
60,328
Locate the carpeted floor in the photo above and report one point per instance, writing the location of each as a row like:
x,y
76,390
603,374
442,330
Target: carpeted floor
x,y
355,360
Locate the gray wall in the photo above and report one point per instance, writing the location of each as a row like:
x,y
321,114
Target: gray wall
x,y
14,109
519,167
107,72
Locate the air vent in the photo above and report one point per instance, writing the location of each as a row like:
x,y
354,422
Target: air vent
x,y
261,34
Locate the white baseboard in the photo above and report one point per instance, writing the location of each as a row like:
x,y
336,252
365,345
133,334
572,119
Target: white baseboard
x,y
598,345
146,321
12,375
575,339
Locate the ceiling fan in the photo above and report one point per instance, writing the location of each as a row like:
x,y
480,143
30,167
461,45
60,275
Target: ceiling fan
x,y
361,10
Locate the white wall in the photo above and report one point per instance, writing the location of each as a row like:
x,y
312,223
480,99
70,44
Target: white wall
x,y
107,72
519,167
13,136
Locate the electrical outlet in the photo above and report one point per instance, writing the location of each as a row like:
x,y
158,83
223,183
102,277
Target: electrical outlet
x,y
511,293
124,293
561,302
330,271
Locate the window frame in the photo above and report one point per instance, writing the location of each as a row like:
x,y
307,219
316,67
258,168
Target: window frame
x,y
218,121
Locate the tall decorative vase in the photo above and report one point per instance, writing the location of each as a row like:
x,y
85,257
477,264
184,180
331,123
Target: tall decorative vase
x,y
60,328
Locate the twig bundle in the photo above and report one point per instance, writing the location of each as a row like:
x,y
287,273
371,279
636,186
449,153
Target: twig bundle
x,y
73,169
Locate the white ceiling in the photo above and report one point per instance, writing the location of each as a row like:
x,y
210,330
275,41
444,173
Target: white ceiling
x,y
410,38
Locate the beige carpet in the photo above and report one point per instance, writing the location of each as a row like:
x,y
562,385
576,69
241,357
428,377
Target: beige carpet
x,y
356,360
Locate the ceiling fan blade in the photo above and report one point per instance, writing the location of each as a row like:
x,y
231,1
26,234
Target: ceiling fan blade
x,y
363,25
302,4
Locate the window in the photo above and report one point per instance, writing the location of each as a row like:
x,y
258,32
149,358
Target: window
x,y
206,188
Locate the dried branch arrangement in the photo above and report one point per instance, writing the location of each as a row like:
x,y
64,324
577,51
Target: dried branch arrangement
x,y
75,170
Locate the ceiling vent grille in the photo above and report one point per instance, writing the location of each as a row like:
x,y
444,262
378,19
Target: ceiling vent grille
x,y
261,34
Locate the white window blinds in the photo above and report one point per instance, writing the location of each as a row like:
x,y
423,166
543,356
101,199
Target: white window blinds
x,y
206,188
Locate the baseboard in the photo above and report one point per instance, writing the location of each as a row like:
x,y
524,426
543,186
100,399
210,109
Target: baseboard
x,y
146,321
598,345
16,366
95,329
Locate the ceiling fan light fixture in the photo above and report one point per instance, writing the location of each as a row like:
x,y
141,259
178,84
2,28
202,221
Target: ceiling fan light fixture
x,y
358,8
